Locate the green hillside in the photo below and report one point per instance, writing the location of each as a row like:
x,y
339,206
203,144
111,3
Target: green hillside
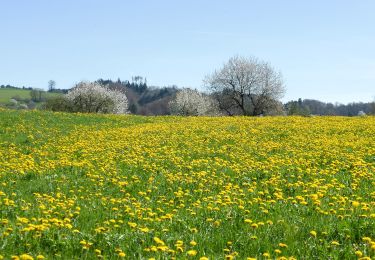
x,y
8,93
20,94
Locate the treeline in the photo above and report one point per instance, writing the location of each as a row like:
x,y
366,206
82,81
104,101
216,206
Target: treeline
x,y
13,87
152,100
316,107
143,99
54,90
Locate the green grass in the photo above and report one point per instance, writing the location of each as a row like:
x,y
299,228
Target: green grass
x,y
7,93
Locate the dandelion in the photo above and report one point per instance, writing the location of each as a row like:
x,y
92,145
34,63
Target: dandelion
x,y
26,257
254,225
356,204
193,243
191,252
266,254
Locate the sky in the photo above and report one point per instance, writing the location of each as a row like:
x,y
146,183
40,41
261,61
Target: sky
x,y
324,49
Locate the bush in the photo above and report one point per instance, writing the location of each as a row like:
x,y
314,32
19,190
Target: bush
x,y
59,103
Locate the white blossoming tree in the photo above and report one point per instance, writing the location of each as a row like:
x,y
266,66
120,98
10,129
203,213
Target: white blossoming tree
x,y
91,97
188,102
246,86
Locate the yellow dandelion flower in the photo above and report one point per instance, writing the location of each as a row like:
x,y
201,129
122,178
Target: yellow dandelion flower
x,y
191,252
26,257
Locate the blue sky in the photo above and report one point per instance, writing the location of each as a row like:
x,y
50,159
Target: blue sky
x,y
325,49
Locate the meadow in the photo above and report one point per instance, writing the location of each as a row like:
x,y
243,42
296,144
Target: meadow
x,y
81,186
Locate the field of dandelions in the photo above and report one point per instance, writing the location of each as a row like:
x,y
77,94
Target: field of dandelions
x,y
79,186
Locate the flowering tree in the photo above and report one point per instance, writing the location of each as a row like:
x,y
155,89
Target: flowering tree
x,y
246,86
188,102
91,97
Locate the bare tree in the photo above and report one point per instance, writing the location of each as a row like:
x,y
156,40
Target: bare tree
x,y
189,102
51,85
246,86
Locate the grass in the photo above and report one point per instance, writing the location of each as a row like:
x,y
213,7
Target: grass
x,y
79,186
7,93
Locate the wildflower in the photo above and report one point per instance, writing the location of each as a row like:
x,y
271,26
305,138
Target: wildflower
x,y
266,254
313,233
355,204
194,230
191,252
366,239
159,241
193,243
26,257
254,225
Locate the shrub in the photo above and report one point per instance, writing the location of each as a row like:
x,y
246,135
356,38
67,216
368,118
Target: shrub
x,y
59,103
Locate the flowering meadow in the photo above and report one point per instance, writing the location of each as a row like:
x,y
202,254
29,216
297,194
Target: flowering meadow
x,y
80,186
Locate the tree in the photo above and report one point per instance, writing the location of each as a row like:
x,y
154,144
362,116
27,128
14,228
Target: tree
x,y
246,85
372,107
91,97
297,108
51,85
188,102
37,95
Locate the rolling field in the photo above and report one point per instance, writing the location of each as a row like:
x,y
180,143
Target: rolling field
x,y
7,93
78,186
